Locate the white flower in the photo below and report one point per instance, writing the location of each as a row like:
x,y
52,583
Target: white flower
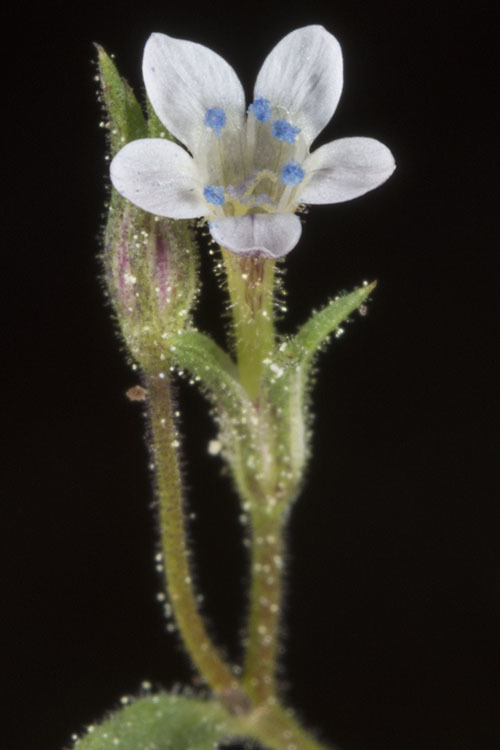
x,y
246,171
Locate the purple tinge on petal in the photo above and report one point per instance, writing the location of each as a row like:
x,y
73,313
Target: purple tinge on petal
x,y
272,235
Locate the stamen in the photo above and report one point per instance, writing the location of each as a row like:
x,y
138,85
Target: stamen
x,y
292,173
261,109
214,194
285,131
215,118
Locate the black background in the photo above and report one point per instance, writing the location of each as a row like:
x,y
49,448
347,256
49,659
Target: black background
x,y
393,604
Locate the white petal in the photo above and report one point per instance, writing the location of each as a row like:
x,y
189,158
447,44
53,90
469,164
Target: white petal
x,y
159,177
303,74
346,168
183,80
273,235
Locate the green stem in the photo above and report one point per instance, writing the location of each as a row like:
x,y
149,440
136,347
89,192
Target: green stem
x,y
173,539
250,283
262,640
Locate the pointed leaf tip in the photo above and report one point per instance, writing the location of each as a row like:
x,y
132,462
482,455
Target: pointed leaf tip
x,y
313,334
124,118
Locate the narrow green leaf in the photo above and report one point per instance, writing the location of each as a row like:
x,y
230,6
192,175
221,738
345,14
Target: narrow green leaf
x,y
290,378
313,334
125,120
216,372
160,722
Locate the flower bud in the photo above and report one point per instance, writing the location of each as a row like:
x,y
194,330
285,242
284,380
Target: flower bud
x,y
150,263
150,268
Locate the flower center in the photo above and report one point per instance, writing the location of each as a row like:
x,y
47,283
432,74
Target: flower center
x,y
254,171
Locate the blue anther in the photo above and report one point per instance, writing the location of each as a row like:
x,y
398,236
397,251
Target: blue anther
x,y
261,109
215,118
285,131
214,194
292,173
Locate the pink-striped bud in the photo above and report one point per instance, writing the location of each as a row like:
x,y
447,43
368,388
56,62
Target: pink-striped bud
x,y
151,274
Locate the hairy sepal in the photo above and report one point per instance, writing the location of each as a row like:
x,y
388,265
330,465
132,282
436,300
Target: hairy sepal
x,y
125,120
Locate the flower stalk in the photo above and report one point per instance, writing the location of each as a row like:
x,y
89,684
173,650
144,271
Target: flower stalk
x,y
178,574
250,282
265,600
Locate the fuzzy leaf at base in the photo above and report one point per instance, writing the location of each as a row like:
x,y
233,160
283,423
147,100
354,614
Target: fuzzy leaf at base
x,y
160,722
